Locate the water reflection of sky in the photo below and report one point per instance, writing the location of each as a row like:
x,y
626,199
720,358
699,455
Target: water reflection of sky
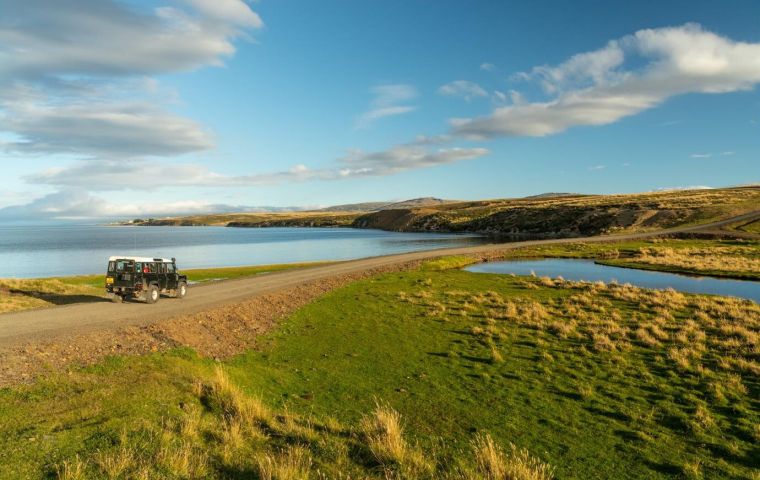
x,y
587,270
34,251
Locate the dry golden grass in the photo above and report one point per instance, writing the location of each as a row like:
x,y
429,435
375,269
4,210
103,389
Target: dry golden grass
x,y
726,259
385,435
114,464
292,463
246,409
73,469
493,464
183,460
25,294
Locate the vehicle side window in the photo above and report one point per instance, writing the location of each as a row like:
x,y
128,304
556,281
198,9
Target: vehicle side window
x,y
151,267
138,267
170,267
111,266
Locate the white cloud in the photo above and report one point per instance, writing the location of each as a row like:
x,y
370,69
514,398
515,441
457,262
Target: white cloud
x,y
626,77
45,38
389,100
701,155
404,157
462,89
75,76
105,175
597,167
102,129
79,204
487,67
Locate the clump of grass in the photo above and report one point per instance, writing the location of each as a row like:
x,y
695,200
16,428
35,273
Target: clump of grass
x,y
702,419
116,463
183,460
384,435
73,469
493,464
292,463
496,356
585,391
233,403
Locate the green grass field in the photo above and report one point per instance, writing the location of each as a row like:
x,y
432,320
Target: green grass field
x,y
597,381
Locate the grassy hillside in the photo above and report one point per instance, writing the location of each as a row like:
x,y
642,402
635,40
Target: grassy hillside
x,y
287,219
425,374
577,215
564,215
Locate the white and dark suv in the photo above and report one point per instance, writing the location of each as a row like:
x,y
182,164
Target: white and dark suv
x,y
144,278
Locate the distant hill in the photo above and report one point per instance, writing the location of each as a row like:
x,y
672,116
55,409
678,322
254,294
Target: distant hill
x,y
553,195
376,206
553,214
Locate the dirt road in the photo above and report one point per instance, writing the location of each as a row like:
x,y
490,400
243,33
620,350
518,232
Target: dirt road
x,y
47,324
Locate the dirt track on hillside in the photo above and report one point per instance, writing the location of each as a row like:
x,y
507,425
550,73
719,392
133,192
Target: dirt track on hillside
x,y
217,319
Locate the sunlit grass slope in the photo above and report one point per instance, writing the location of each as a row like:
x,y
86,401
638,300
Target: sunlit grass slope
x,y
427,374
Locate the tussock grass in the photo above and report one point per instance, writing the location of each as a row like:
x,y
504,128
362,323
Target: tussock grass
x,y
292,463
493,464
384,435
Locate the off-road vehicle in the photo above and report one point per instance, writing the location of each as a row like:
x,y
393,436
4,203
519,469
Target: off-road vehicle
x,y
144,278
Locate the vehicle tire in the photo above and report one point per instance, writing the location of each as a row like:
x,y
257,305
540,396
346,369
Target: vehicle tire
x,y
117,298
181,290
152,295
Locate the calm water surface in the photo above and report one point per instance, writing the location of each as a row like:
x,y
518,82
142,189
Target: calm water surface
x,y
41,251
587,270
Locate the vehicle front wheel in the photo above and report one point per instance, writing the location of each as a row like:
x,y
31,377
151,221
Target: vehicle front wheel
x,y
182,290
152,295
117,298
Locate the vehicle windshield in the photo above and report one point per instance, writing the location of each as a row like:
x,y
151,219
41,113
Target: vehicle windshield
x,y
120,266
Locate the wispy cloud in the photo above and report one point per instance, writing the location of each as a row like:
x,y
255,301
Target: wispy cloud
x,y
597,167
710,155
389,100
487,67
121,175
626,77
462,89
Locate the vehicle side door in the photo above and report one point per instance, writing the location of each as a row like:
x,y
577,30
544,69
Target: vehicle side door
x,y
171,276
161,274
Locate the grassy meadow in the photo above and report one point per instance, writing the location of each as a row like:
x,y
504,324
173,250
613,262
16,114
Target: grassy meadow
x,y
433,373
25,294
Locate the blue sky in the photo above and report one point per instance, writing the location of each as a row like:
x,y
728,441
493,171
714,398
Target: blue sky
x,y
178,106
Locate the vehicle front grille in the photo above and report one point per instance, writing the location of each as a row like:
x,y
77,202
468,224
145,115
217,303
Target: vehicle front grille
x,y
126,276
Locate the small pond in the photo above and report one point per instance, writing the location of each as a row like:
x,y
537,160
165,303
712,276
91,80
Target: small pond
x,y
587,270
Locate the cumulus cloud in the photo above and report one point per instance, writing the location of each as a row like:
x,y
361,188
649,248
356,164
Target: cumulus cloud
x,y
462,89
389,100
626,77
75,76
